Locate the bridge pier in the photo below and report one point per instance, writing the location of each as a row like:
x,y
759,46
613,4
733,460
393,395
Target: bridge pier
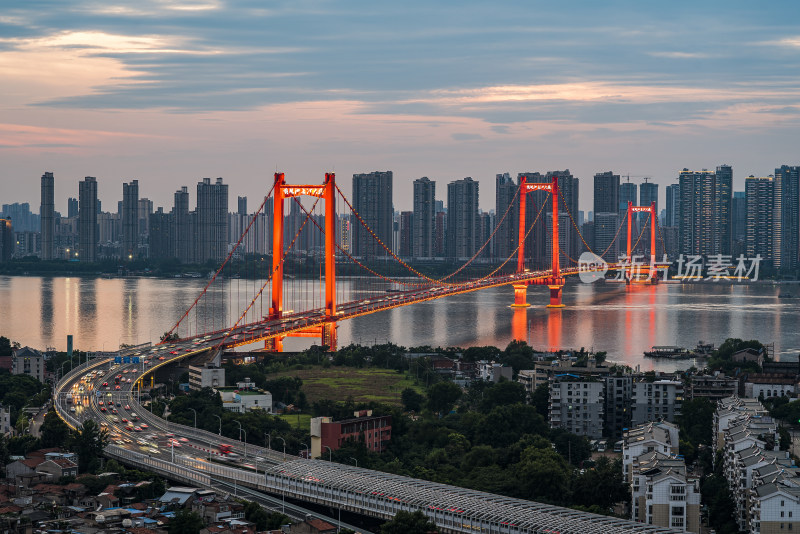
x,y
520,296
329,336
273,344
555,296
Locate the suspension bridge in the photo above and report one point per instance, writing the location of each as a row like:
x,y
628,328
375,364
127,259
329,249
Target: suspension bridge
x,y
84,393
296,294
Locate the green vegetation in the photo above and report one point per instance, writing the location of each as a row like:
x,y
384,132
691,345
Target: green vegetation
x,y
721,358
186,522
364,385
18,391
263,520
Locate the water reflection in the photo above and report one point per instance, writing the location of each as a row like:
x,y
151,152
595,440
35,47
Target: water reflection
x,y
624,321
87,307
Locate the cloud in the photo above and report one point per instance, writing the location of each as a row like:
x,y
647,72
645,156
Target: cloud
x,y
466,136
681,55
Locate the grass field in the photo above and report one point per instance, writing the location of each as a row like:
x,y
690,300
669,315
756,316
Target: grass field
x,y
297,420
364,385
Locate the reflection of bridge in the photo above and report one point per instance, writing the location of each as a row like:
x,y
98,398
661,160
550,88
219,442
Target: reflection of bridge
x,y
290,311
269,475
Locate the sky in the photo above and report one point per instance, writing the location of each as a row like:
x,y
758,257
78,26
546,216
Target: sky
x,y
171,91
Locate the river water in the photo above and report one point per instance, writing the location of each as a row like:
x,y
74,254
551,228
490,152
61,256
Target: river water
x,y
624,321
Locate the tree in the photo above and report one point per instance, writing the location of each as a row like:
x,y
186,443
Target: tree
x,y
409,523
5,346
442,396
54,431
503,393
263,519
543,474
185,522
167,337
412,401
540,399
89,442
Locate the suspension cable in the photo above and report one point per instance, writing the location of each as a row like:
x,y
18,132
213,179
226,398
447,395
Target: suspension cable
x,y
230,254
269,278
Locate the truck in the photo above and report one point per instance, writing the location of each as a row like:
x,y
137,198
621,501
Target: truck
x,y
69,398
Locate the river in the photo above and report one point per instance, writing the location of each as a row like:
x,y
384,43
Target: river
x,y
624,321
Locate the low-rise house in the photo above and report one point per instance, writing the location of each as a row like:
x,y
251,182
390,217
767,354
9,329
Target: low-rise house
x,y
58,467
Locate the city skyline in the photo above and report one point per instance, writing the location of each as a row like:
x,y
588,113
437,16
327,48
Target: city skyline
x,y
170,93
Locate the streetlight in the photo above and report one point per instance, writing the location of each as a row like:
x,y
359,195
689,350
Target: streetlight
x,y
269,439
308,451
330,453
284,447
195,416
220,423
62,368
240,436
356,461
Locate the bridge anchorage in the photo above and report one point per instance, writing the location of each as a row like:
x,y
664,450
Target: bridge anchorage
x,y
555,282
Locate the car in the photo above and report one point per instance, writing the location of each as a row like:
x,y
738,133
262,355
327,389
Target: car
x,y
103,409
124,420
183,440
152,451
161,358
71,409
105,384
134,371
187,350
99,403
137,429
110,403
125,372
117,387
147,362
114,411
127,407
116,419
144,426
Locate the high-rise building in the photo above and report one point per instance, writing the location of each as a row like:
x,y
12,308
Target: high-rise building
x,y
88,235
20,213
212,220
648,192
606,215
372,200
738,222
606,192
72,207
462,218
406,234
505,239
568,190
241,205
7,242
182,227
46,213
130,220
423,222
145,210
760,194
627,193
440,232
786,218
160,236
704,223
673,205
722,209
